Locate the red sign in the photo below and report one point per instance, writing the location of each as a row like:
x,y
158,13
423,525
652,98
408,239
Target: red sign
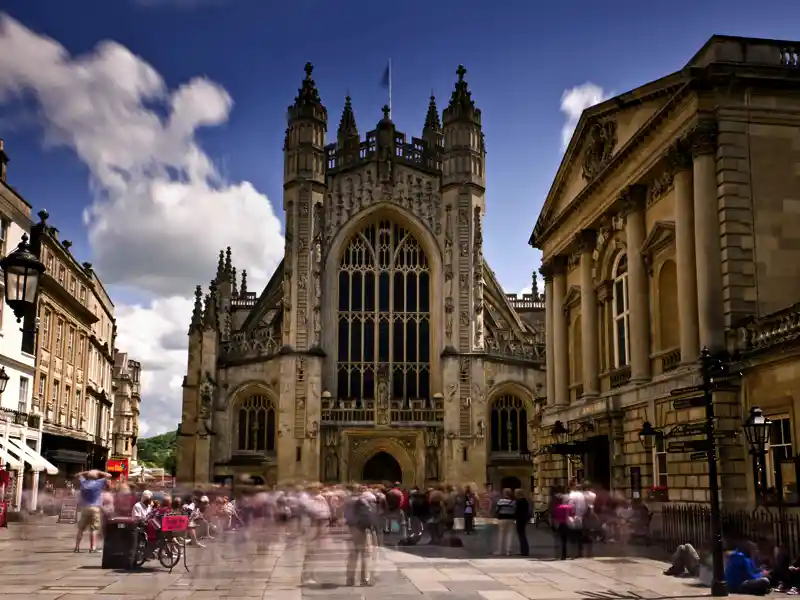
x,y
3,514
174,523
118,467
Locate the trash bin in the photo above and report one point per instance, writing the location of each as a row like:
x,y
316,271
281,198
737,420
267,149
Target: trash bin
x,y
120,537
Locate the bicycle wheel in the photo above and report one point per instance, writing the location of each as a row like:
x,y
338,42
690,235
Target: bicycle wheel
x,y
141,550
169,554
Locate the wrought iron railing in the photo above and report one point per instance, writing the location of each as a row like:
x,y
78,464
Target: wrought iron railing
x,y
14,416
691,523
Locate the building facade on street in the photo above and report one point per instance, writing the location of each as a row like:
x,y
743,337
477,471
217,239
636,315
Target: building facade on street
x,y
383,348
673,224
20,421
127,400
72,384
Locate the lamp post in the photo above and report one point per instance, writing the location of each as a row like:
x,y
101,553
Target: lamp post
x,y
21,272
710,367
3,380
757,429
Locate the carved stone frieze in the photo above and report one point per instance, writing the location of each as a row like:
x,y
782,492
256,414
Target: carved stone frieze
x,y
352,193
262,341
660,185
601,141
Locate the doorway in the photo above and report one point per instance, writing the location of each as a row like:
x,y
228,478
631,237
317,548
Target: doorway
x,y
380,468
510,482
598,461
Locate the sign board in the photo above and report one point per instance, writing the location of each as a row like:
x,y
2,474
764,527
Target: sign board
x,y
699,455
174,523
691,390
69,510
118,467
684,403
688,446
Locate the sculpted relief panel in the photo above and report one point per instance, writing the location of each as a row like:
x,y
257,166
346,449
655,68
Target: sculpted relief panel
x,y
350,193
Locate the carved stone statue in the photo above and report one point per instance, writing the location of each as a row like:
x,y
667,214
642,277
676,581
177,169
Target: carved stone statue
x,y
383,394
481,429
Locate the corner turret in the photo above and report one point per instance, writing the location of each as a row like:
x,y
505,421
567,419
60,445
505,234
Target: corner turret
x,y
463,160
432,131
304,146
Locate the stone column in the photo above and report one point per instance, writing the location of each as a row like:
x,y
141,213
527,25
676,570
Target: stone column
x,y
560,336
706,234
589,326
547,273
680,160
634,198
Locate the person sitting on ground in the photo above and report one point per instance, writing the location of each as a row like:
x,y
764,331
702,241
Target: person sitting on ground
x,y
784,575
685,559
741,574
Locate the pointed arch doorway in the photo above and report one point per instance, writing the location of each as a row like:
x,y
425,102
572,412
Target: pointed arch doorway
x,y
380,468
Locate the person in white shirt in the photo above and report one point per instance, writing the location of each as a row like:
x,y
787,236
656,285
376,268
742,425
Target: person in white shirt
x,y
142,508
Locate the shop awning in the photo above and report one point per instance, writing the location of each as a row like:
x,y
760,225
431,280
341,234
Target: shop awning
x,y
30,456
6,458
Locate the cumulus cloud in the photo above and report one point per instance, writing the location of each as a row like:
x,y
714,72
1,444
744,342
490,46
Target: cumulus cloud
x,y
161,209
573,102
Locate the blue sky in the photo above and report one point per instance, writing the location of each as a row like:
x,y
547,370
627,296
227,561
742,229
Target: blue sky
x,y
521,56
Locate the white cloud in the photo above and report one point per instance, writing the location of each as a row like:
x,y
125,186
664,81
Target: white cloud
x,y
162,211
573,102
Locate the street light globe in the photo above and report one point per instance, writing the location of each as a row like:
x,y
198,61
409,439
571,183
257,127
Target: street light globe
x,y
21,273
647,435
757,429
3,379
560,432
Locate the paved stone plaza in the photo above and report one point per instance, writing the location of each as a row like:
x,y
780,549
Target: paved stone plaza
x,y
43,566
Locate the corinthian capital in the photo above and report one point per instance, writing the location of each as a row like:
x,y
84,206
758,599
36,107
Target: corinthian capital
x,y
632,199
585,241
704,137
679,156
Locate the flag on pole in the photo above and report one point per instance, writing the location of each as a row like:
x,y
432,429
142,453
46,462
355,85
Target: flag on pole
x,y
385,79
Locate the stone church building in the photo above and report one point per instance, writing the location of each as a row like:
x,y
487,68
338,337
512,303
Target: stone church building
x,y
383,348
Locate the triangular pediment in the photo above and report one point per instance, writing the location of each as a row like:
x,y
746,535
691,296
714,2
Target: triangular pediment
x,y
573,296
601,135
661,235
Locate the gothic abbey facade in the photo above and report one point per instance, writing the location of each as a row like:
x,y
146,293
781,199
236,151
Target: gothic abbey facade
x,y
383,348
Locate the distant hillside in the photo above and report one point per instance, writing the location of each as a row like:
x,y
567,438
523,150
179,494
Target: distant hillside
x,y
158,451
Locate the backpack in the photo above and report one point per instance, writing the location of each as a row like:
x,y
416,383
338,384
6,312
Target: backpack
x,y
505,509
363,514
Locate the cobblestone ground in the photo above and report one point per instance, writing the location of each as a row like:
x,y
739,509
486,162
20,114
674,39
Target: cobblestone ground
x,y
42,566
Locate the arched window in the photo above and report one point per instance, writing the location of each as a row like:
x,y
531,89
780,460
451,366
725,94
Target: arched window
x,y
384,314
509,425
256,425
622,333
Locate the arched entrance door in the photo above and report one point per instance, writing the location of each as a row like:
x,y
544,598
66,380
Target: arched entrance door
x,y
511,482
382,467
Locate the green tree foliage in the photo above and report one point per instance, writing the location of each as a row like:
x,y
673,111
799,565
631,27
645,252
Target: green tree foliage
x,y
158,451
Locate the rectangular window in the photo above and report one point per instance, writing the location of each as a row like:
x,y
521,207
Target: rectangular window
x,y
67,395
59,336
73,285
46,329
83,294
49,262
71,344
56,389
660,479
22,405
779,456
79,407
62,274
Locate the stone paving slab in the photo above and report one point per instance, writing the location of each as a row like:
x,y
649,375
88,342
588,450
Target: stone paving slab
x,y
42,566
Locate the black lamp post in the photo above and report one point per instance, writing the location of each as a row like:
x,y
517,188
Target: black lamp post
x,y
3,380
710,367
757,428
21,272
560,433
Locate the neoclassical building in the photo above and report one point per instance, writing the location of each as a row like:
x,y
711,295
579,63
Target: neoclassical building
x,y
672,225
383,348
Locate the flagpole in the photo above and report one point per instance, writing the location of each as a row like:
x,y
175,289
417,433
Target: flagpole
x,y
390,88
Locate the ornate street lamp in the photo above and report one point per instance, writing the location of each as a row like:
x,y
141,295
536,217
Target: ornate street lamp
x,y
3,379
757,429
21,272
647,436
560,432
